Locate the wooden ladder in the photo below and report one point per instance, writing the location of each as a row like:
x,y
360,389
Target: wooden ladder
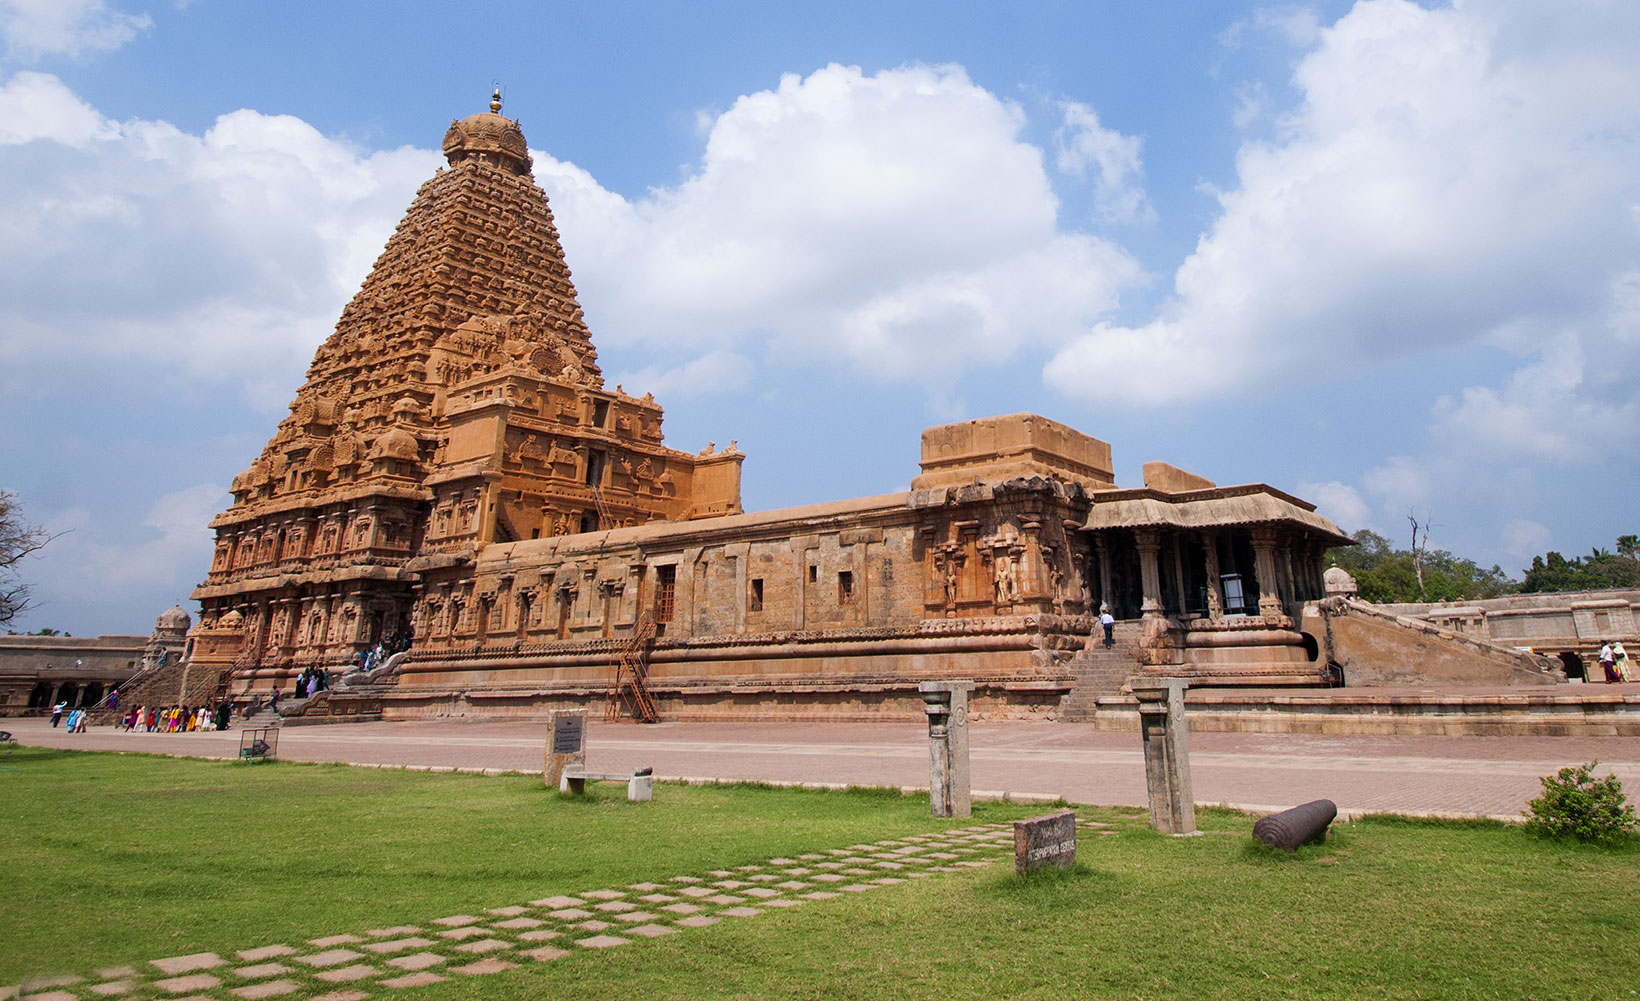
x,y
630,694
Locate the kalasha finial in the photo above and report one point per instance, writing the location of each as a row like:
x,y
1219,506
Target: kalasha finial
x,y
495,102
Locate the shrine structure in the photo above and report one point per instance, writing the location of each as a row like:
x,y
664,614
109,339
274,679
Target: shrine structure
x,y
453,475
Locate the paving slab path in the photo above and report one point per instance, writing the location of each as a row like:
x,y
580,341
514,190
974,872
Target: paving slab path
x,y
1488,776
357,964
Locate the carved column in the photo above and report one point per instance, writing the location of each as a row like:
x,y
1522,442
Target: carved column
x,y
1215,586
1265,571
1163,730
1149,545
1178,572
1032,580
1284,567
1101,548
946,705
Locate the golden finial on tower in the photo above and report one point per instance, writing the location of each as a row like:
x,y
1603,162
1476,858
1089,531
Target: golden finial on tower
x,y
495,102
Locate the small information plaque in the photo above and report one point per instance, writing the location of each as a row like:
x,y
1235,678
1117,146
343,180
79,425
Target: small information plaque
x,y
568,734
1045,841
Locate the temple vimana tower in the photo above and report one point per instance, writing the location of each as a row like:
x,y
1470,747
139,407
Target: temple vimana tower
x,y
454,474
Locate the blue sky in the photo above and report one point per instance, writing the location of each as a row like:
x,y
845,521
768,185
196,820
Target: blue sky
x,y
1382,255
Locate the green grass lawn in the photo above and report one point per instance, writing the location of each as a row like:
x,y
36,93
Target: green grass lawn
x,y
115,859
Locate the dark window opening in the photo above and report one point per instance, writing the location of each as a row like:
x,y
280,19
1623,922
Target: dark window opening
x,y
587,523
814,575
756,603
595,469
666,587
600,412
845,587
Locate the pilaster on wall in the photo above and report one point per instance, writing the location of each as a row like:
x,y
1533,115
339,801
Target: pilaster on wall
x,y
801,544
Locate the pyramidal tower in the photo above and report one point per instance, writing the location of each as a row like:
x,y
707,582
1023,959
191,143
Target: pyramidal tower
x,y
458,403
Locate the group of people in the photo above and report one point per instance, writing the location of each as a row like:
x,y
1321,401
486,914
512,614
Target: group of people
x,y
312,681
177,719
76,718
371,658
1614,663
169,719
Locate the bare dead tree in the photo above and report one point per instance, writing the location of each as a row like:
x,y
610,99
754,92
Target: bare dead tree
x,y
1419,546
18,540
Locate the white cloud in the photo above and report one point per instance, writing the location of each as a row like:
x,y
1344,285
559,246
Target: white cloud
x,y
714,372
1524,539
895,223
1340,502
1081,142
1547,411
1448,172
226,255
37,106
1298,26
34,28
95,565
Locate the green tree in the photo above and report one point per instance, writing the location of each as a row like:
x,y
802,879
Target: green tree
x,y
1385,574
1600,570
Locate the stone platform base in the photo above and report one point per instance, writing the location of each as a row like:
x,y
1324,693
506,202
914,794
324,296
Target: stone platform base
x,y
851,702
1581,711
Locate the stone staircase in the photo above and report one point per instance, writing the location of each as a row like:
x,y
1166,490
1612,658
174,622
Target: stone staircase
x,y
197,685
1099,672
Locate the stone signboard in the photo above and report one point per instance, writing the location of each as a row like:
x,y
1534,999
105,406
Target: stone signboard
x,y
566,744
1045,841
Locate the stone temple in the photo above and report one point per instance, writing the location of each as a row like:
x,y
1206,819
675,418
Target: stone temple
x,y
454,473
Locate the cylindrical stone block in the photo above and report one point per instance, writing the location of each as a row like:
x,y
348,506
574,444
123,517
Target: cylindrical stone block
x,y
1301,825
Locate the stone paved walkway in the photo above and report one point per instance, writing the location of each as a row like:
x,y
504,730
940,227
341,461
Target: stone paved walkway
x,y
1492,776
358,964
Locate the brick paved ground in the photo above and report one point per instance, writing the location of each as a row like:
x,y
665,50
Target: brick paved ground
x,y
1472,775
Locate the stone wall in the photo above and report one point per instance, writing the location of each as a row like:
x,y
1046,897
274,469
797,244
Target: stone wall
x,y
63,667
1569,625
844,607
1374,646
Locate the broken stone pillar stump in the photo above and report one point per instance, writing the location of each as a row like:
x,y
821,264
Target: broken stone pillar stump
x,y
946,703
566,745
1167,754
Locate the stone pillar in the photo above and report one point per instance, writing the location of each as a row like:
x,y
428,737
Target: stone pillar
x,y
1101,549
1167,754
1215,586
1149,545
1265,572
946,703
566,745
1178,573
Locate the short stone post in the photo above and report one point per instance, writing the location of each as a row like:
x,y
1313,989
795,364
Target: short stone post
x,y
566,745
1167,754
946,703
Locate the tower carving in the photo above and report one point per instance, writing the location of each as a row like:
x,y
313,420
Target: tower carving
x,y
458,402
